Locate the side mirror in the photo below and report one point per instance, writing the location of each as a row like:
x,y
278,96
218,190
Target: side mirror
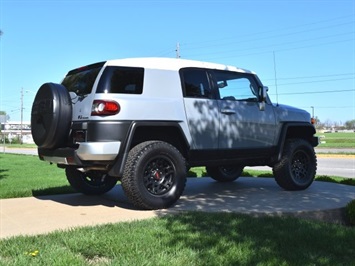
x,y
262,97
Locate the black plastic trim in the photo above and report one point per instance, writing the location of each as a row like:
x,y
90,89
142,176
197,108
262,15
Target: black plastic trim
x,y
101,131
285,133
245,157
118,167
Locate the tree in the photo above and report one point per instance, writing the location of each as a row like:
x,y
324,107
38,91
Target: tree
x,y
350,124
3,117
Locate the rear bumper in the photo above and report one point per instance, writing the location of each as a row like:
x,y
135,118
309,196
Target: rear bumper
x,y
87,151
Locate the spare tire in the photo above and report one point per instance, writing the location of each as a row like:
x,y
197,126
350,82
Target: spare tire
x,y
51,116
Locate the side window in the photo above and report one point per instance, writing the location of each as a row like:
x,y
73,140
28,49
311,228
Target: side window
x,y
236,86
128,80
196,83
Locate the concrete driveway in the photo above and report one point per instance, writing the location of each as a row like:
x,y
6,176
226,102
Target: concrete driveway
x,y
256,196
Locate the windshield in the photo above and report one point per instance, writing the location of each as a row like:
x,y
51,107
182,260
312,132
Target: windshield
x,y
81,80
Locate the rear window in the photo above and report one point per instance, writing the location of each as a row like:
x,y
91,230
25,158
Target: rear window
x,y
81,80
128,80
195,82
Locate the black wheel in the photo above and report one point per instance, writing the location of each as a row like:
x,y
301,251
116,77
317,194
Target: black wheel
x,y
154,176
51,116
90,183
297,167
227,173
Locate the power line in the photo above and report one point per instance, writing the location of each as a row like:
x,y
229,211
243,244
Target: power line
x,y
282,50
221,41
330,107
317,76
314,81
313,92
277,30
257,39
273,45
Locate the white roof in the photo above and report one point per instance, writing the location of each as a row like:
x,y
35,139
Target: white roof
x,y
171,64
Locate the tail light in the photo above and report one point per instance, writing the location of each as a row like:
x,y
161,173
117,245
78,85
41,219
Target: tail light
x,y
105,107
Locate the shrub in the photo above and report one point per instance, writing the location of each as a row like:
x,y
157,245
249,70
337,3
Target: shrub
x,y
191,174
350,212
246,174
266,175
325,178
348,181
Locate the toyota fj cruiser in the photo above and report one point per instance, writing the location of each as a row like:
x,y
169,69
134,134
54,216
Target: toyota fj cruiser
x,y
145,121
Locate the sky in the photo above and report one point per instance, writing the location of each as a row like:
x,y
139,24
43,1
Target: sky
x,y
303,50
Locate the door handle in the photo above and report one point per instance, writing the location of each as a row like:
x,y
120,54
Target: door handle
x,y
228,111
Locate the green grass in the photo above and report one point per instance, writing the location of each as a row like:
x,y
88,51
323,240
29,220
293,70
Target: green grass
x,y
337,140
191,238
26,146
26,175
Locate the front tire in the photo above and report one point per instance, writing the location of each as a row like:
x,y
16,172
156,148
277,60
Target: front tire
x,y
91,182
225,173
297,167
154,176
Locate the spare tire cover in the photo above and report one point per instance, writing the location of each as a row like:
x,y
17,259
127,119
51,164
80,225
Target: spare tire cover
x,y
51,116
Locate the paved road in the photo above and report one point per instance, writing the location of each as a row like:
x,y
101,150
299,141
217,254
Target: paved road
x,y
332,165
28,151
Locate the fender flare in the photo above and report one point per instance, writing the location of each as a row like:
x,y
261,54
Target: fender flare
x,y
119,164
304,130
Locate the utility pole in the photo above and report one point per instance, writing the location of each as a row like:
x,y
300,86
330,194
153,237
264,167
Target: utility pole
x,y
277,93
21,116
177,50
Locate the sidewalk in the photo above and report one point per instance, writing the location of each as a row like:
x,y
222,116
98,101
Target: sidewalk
x,y
256,196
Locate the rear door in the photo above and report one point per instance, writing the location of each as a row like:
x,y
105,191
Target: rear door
x,y
201,108
80,82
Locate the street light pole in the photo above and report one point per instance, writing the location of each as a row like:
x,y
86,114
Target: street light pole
x,y
21,116
312,111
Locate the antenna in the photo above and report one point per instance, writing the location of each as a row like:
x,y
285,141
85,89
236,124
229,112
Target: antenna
x,y
177,50
277,94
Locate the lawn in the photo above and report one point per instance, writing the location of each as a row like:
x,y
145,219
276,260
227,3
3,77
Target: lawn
x,y
337,140
26,175
190,238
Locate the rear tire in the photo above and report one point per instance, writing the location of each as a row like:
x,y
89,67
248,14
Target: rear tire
x,y
297,167
90,183
154,176
227,173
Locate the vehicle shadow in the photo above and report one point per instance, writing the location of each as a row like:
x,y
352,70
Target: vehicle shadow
x,y
246,195
114,198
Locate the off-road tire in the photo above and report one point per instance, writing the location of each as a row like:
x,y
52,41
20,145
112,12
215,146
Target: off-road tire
x,y
298,165
227,173
90,183
51,116
154,176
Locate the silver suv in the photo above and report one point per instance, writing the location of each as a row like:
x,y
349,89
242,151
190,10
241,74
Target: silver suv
x,y
145,121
